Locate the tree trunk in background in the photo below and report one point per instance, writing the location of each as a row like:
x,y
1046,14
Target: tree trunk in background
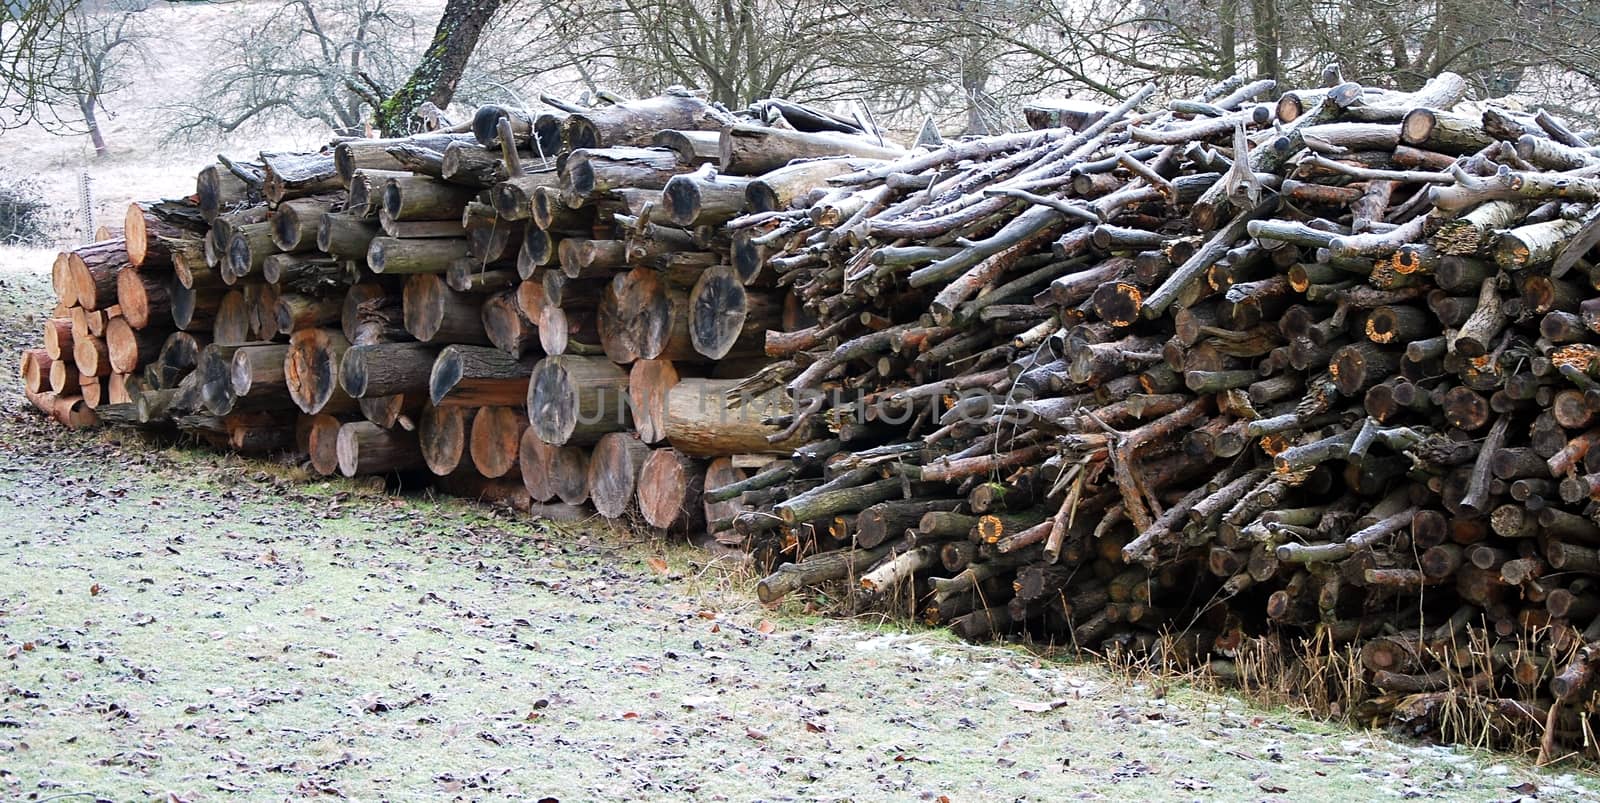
x,y
434,81
1267,24
86,104
1227,42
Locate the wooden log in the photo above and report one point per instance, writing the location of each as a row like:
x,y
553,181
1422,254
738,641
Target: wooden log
x,y
322,443
712,418
507,326
670,485
496,438
649,381
373,313
480,376
570,473
442,436
703,199
424,198
143,297
92,272
143,232
747,150
311,370
91,357
613,472
636,122
232,324
536,462
129,349
396,257
34,366
257,371
387,369
780,188
726,321
345,236
366,448
64,378
293,311
513,198
642,317
296,175
575,400
435,313
590,173
219,189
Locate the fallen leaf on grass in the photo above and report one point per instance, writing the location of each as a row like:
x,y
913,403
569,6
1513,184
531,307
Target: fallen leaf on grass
x,y
766,627
94,590
659,565
1038,706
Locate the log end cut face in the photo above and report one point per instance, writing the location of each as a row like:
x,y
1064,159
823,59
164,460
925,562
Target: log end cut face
x,y
718,307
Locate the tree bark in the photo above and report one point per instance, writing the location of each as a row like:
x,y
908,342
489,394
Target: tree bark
x,y
443,63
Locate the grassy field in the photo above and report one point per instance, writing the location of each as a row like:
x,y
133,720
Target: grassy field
x,y
181,625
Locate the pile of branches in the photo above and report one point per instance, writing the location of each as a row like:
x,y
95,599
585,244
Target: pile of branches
x,y
1314,366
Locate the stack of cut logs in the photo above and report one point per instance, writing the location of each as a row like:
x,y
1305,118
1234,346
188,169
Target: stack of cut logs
x,y
412,305
1183,380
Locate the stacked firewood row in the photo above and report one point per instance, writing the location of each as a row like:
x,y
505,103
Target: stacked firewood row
x,y
1194,380
1322,364
536,309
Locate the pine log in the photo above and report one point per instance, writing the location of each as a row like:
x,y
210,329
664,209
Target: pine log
x,y
311,370
92,272
129,349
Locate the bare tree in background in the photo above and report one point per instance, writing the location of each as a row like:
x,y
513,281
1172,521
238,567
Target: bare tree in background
x,y
32,51
900,57
324,61
103,42
1111,46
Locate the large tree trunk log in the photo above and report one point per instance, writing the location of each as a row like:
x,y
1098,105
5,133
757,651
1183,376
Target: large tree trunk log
x,y
258,370
232,324
513,197
92,272
694,199
496,438
536,460
143,297
670,487
396,257
711,418
292,312
346,237
312,370
641,317
442,433
506,326
424,198
366,448
780,188
129,349
577,399
296,175
479,376
322,443
613,472
726,322
747,150
636,122
143,231
435,313
591,172
387,369
649,381
372,314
